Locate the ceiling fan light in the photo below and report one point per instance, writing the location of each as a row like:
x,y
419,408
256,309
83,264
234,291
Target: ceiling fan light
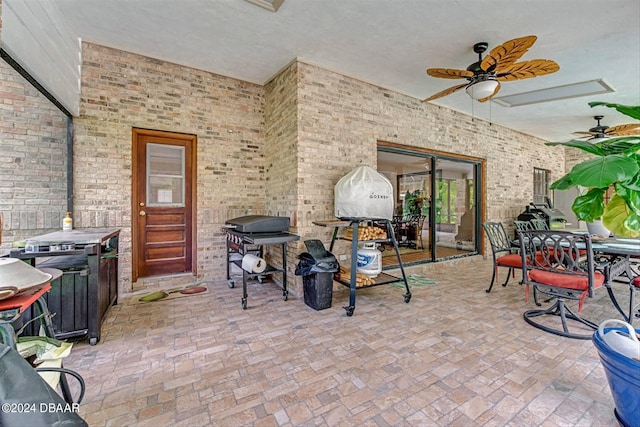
x,y
482,89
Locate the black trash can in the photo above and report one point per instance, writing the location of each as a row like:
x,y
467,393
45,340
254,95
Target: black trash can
x,y
316,268
318,290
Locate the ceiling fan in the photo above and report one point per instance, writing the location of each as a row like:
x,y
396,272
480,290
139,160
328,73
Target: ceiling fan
x,y
601,131
484,77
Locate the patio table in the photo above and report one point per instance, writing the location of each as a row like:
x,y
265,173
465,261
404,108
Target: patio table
x,y
618,252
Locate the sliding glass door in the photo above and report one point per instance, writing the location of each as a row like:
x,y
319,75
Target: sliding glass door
x,y
436,204
455,208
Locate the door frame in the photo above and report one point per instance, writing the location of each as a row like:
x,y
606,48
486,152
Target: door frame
x,y
135,181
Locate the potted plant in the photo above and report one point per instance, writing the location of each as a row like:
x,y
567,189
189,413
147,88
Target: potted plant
x,y
413,202
617,164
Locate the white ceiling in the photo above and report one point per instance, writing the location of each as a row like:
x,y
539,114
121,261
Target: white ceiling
x,y
390,43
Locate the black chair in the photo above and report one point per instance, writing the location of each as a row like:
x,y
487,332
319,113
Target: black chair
x,y
523,225
504,252
410,230
414,230
539,224
633,313
560,265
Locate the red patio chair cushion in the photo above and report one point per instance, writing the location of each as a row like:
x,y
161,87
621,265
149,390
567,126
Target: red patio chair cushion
x,y
515,260
567,281
636,282
511,260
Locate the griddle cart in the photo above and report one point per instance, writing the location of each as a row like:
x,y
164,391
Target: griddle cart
x,y
249,235
382,278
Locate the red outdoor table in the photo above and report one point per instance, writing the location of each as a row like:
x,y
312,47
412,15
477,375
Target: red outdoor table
x,y
11,309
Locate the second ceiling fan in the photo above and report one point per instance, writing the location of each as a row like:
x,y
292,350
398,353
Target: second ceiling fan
x,y
484,77
601,131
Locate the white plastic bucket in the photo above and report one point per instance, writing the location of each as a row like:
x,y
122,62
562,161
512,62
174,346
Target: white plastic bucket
x,y
622,339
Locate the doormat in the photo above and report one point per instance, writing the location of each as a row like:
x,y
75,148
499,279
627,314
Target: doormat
x,y
168,294
390,251
414,281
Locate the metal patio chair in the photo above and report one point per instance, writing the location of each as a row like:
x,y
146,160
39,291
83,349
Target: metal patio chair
x,y
504,252
523,225
560,265
414,230
539,224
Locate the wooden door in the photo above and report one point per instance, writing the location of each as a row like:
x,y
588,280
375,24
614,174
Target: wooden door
x,y
163,198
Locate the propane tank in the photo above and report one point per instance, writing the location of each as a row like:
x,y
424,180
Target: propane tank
x,y
369,260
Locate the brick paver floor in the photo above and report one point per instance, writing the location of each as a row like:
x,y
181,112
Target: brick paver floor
x,y
453,356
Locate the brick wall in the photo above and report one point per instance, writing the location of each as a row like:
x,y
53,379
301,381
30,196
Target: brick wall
x,y
342,119
33,151
120,91
277,149
573,156
281,157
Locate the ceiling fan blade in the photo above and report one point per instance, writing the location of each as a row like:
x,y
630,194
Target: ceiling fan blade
x,y
449,73
630,132
529,69
502,57
485,99
445,92
624,130
584,135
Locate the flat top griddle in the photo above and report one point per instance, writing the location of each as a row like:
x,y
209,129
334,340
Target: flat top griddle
x,y
264,238
258,224
257,231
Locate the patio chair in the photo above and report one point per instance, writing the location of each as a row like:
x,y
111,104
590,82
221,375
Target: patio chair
x,y
410,230
539,224
560,265
523,225
415,230
634,313
504,253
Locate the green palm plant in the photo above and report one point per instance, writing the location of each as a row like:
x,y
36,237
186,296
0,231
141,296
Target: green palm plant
x,y
617,164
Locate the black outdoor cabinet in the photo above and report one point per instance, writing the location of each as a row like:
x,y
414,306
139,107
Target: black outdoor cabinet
x,y
88,287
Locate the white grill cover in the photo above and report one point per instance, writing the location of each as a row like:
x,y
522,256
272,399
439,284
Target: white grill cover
x,y
364,193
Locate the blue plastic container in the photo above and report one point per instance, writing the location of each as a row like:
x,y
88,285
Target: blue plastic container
x,y
623,374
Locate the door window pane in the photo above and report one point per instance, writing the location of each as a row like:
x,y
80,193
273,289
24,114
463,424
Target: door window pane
x,y
165,175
